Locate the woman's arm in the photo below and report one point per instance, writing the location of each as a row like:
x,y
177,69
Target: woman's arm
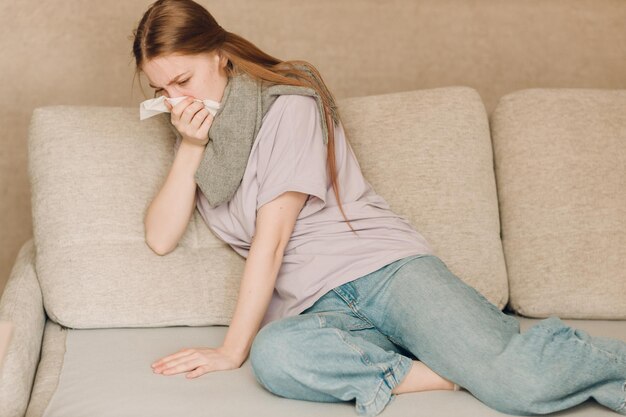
x,y
169,213
255,293
274,226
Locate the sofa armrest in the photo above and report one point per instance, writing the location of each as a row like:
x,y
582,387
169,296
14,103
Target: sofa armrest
x,y
21,304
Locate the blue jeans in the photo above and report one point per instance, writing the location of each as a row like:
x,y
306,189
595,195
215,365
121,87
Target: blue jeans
x,y
358,341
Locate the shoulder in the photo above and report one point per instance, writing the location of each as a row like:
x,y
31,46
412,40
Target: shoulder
x,y
291,131
301,100
291,116
296,105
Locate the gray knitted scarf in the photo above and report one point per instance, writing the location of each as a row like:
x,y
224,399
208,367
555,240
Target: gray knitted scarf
x,y
234,129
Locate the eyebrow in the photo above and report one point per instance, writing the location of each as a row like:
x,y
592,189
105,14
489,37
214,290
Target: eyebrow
x,y
173,79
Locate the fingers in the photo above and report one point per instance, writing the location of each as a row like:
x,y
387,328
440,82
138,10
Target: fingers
x,y
182,361
179,354
190,111
178,108
198,361
203,129
200,370
182,365
191,118
199,118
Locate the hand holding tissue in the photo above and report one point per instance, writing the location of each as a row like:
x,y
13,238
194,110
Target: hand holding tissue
x,y
154,106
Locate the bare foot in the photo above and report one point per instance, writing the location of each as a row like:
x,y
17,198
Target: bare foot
x,y
422,378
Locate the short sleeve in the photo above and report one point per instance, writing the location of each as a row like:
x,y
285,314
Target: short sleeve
x,y
292,152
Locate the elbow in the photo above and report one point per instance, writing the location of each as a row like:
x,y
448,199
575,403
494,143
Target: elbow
x,y
157,247
155,244
159,251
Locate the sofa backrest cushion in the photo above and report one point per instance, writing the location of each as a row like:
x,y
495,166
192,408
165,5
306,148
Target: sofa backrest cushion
x,y
560,160
94,171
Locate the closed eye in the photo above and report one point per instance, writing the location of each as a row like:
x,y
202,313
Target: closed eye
x,y
158,90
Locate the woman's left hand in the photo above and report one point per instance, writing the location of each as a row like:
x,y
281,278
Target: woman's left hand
x,y
197,360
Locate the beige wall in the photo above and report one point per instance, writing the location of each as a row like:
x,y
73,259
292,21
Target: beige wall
x,y
78,52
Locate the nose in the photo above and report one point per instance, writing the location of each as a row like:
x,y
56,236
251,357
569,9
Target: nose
x,y
171,92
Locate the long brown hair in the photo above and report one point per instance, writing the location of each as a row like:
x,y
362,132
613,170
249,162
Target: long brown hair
x,y
184,27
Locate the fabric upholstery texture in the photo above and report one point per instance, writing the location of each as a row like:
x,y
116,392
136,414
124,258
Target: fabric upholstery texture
x,y
96,270
53,350
94,171
561,173
22,305
106,373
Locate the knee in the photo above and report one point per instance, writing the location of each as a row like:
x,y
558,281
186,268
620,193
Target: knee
x,y
273,353
264,353
276,354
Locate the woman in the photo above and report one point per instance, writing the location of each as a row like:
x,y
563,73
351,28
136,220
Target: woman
x,y
341,298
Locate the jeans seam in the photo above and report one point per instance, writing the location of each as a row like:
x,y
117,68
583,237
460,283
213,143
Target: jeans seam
x,y
321,319
352,306
363,355
386,371
345,300
616,358
392,370
378,388
623,405
361,316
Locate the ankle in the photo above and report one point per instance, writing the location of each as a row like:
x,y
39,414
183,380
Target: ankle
x,y
422,378
447,385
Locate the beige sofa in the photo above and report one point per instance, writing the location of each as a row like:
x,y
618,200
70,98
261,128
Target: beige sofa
x,y
527,205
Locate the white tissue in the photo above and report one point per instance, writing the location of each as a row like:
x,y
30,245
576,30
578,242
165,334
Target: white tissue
x,y
155,106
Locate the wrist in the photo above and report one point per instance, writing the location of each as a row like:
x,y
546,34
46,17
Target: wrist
x,y
237,354
191,150
189,158
196,143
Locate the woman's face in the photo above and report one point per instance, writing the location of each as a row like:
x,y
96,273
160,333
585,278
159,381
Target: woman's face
x,y
202,76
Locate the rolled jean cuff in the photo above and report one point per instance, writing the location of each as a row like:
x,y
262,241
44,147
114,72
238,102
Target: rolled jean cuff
x,y
389,380
622,407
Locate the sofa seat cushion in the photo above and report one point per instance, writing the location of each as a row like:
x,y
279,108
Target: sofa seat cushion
x,y
106,372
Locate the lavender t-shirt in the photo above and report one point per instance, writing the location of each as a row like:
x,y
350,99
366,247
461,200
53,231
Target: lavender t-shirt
x,y
289,154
